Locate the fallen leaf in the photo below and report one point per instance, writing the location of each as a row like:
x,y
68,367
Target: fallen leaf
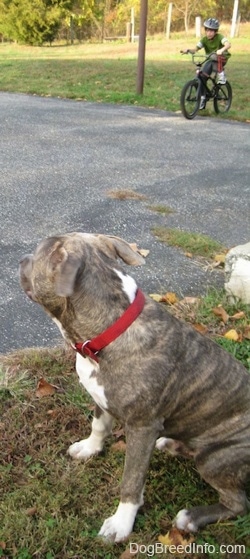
x,y
128,553
120,446
170,298
44,388
2,545
156,297
174,537
118,432
246,333
220,258
238,315
31,511
191,300
144,252
219,311
232,335
52,413
188,254
200,328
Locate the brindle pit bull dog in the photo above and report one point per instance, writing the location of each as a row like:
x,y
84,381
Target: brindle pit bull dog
x,y
167,383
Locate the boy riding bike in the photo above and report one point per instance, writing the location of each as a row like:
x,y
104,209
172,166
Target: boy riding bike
x,y
217,45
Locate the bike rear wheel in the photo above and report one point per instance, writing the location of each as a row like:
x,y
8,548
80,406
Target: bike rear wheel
x,y
223,98
190,98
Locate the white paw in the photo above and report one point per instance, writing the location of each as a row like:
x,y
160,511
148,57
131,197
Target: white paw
x,y
118,527
183,522
161,443
84,449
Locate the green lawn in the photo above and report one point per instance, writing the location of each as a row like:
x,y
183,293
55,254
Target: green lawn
x,y
107,72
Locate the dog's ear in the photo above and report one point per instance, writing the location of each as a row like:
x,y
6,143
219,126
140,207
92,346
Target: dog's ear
x,y
125,252
65,267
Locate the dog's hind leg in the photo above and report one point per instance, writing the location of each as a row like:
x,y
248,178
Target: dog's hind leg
x,y
226,470
140,443
101,428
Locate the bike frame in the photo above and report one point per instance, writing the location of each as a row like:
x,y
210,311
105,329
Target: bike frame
x,y
210,93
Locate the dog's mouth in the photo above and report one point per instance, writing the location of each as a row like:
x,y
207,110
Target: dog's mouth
x,y
25,268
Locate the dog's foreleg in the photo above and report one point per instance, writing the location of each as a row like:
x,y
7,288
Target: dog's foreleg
x,y
140,443
101,428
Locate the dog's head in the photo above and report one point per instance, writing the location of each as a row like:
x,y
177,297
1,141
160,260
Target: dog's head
x,y
55,270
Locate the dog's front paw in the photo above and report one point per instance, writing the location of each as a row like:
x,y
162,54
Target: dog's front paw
x,y
114,530
84,449
183,521
118,527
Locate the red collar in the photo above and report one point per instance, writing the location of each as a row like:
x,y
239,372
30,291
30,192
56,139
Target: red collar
x,y
90,348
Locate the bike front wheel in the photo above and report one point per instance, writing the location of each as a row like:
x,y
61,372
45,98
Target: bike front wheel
x,y
190,98
223,98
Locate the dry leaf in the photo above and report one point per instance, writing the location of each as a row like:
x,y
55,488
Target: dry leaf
x,y
31,511
144,252
220,258
238,315
188,254
141,251
200,328
191,300
128,553
44,388
120,446
170,298
156,297
118,432
174,537
52,413
219,311
246,333
232,335
2,545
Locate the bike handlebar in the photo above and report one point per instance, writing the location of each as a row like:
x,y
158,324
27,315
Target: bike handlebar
x,y
201,56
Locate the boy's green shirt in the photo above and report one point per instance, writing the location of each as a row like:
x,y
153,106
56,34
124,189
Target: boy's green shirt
x,y
212,45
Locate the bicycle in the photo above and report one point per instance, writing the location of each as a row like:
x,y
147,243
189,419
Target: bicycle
x,y
190,100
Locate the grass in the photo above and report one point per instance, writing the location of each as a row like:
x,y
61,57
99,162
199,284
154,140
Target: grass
x,y
161,209
107,72
52,507
125,194
193,243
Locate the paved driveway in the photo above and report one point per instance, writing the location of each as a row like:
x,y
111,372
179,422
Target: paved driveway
x,y
59,158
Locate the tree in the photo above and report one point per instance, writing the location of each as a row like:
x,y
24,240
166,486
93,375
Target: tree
x,y
31,21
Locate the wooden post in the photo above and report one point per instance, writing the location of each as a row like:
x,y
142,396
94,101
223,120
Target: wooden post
x,y
142,46
234,18
170,7
132,25
198,27
129,32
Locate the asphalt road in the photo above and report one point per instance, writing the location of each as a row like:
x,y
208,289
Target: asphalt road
x,y
59,159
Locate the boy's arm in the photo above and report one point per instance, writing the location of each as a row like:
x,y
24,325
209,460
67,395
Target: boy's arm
x,y
192,51
224,48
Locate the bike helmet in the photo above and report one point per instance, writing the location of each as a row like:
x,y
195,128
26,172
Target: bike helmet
x,y
212,23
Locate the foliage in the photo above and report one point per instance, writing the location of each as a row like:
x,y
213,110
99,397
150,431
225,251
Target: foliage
x,y
39,21
30,22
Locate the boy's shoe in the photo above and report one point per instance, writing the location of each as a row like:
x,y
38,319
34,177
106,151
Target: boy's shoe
x,y
221,78
202,102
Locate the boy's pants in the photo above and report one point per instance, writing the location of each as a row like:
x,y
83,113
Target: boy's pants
x,y
214,64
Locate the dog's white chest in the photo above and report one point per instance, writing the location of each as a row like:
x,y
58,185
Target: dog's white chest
x,y
86,371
